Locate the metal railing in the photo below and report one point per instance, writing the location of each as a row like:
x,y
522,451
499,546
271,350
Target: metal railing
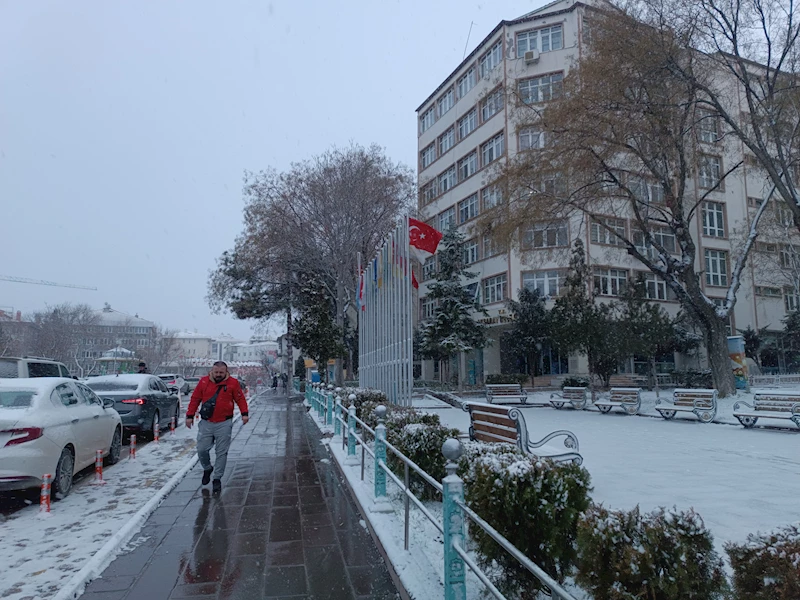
x,y
328,403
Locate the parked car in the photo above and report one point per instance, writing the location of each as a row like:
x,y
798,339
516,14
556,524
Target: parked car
x,y
175,381
53,425
141,401
192,383
31,366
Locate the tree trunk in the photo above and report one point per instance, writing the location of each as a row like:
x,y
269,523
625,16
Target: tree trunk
x,y
338,373
654,375
289,349
718,359
462,370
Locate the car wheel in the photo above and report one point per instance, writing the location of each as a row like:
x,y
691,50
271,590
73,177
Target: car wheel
x,y
62,480
115,450
156,421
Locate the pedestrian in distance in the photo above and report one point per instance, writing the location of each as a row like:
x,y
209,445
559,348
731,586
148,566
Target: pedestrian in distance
x,y
143,369
215,396
274,383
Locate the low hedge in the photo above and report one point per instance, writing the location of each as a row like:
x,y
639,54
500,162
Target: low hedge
x,y
656,556
767,566
520,378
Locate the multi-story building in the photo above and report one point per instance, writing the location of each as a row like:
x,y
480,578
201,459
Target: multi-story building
x,y
193,345
256,350
114,329
466,127
222,347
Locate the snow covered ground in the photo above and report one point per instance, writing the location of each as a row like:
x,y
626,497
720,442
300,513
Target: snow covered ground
x,y
41,553
740,481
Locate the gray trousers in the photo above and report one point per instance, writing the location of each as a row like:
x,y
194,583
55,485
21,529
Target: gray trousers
x,y
217,435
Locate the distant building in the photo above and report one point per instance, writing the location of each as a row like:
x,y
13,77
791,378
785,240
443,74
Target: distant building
x,y
222,347
194,345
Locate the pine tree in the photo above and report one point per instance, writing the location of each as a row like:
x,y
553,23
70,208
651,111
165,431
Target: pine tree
x,y
452,328
315,330
531,327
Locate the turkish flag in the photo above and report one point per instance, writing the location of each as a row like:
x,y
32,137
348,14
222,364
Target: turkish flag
x,y
423,236
414,281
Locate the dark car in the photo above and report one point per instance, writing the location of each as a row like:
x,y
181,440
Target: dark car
x,y
141,401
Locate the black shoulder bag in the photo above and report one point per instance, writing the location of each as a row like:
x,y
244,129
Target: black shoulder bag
x,y
207,408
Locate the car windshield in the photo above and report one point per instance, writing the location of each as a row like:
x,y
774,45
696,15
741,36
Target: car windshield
x,y
167,377
16,398
112,386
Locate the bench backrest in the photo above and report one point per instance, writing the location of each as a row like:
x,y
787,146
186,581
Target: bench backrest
x,y
492,423
625,394
504,388
775,402
703,398
573,393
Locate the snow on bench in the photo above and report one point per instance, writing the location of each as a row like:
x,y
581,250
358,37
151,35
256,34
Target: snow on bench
x,y
511,391
576,396
492,423
701,402
772,404
627,398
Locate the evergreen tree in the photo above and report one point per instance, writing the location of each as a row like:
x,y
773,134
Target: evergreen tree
x,y
452,328
530,330
315,330
580,325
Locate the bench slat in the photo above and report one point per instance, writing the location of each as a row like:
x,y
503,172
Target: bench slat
x,y
489,408
509,435
491,418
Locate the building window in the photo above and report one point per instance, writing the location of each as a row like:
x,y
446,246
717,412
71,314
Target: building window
x,y
601,235
446,141
491,196
427,119
707,127
492,104
783,215
470,252
467,166
489,247
546,235
716,268
544,39
466,82
790,259
791,299
494,288
491,59
428,155
429,268
714,219
468,209
446,101
447,219
710,171
427,308
467,124
656,288
541,89
754,202
662,235
531,139
610,282
447,180
548,283
769,292
493,149
428,192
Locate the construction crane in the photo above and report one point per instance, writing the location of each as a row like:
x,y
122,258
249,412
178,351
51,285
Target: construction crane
x,y
43,282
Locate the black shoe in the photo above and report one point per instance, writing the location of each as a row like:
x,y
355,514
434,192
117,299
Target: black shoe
x,y
207,475
217,486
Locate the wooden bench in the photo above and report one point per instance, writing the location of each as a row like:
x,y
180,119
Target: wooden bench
x,y
627,381
512,391
576,396
492,423
701,402
626,398
769,404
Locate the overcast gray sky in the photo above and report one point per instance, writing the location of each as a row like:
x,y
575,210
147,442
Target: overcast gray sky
x,y
125,128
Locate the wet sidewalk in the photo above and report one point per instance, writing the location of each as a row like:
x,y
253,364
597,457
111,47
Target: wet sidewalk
x,y
284,526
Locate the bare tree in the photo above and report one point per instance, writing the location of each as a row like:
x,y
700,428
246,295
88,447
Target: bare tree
x,y
310,223
617,150
162,350
66,333
777,256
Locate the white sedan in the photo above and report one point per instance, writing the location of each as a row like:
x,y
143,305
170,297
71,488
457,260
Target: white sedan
x,y
53,425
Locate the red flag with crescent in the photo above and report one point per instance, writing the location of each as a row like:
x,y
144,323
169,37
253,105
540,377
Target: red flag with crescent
x,y
423,236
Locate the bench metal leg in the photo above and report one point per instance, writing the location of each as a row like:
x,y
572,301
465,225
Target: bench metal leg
x,y
667,414
604,408
748,422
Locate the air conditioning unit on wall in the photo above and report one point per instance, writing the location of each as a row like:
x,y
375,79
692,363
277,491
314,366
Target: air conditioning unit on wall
x,y
531,57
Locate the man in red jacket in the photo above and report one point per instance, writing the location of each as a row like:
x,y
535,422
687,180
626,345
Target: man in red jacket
x,y
216,430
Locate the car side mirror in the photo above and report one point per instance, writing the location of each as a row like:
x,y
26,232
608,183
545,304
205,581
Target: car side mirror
x,y
172,390
108,403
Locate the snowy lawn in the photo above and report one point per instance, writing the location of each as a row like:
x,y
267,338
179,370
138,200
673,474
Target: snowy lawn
x,y
40,553
740,481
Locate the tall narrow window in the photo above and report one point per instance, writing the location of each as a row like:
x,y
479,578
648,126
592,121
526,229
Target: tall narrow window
x,y
468,208
714,219
446,101
466,82
494,288
446,141
716,268
427,119
492,104
491,59
467,166
493,149
467,124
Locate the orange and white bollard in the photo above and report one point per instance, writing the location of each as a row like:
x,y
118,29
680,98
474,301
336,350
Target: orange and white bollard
x,y
133,447
98,468
44,498
172,425
155,433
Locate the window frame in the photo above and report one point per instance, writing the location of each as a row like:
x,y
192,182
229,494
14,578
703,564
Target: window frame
x,y
543,230
450,134
448,176
429,149
493,191
449,93
492,104
547,276
471,249
447,218
596,231
491,147
711,275
470,117
704,178
490,59
427,119
470,75
551,81
467,166
470,201
486,282
530,133
615,279
719,228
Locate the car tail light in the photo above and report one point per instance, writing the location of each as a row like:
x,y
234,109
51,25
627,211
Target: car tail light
x,y
138,401
25,434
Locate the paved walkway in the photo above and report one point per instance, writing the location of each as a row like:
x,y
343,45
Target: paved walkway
x,y
284,527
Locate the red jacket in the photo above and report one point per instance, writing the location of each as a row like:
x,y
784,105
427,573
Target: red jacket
x,y
231,392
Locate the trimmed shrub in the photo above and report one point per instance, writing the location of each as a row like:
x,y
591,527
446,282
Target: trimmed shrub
x,y
364,395
574,382
422,443
657,556
520,378
534,502
767,566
